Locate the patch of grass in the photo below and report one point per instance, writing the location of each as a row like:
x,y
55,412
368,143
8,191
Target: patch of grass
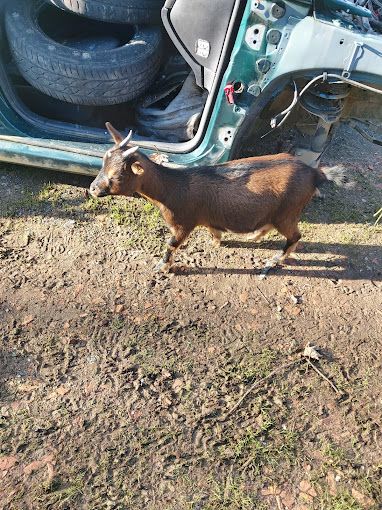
x,y
32,201
93,205
341,501
334,209
48,193
122,211
140,219
369,487
71,493
152,362
334,454
18,495
266,446
364,182
117,324
230,494
306,227
251,366
52,485
20,206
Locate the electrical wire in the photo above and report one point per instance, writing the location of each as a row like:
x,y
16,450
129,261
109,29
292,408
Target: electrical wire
x,y
371,9
287,111
324,77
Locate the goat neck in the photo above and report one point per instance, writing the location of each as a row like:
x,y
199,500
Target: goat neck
x,y
158,183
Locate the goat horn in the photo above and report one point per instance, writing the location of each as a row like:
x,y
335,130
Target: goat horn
x,y
129,152
126,140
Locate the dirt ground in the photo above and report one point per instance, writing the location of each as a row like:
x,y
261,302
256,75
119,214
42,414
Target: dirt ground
x,y
116,383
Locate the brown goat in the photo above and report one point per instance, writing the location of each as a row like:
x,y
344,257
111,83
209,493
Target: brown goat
x,y
243,196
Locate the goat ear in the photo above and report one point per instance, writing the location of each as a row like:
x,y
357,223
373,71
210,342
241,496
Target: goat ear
x,y
136,168
117,137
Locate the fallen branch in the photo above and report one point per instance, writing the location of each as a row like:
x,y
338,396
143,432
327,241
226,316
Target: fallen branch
x,y
310,352
257,383
323,375
263,295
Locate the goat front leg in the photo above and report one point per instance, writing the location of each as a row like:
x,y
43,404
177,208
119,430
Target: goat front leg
x,y
172,244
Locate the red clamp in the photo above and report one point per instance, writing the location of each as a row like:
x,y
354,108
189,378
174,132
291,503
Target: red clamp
x,y
228,89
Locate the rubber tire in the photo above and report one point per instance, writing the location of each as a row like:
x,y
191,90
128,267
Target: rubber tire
x,y
80,77
116,11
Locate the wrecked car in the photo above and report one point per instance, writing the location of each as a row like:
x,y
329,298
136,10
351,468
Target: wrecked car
x,y
197,82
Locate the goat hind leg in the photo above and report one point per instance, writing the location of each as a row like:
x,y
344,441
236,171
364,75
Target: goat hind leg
x,y
258,234
290,246
216,236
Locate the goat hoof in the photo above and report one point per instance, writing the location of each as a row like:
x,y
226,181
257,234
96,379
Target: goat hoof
x,y
162,266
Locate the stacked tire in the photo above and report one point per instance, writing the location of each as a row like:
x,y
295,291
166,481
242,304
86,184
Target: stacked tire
x,y
139,12
95,75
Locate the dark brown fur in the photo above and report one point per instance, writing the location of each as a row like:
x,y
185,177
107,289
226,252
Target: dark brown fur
x,y
242,196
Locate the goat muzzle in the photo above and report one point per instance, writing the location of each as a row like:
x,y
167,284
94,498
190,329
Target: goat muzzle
x,y
96,191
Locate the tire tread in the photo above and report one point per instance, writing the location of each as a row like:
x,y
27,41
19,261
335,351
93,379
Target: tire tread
x,y
93,82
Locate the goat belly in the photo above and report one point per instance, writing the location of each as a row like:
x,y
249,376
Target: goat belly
x,y
236,221
241,230
239,211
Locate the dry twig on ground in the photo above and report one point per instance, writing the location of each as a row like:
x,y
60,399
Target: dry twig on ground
x,y
310,352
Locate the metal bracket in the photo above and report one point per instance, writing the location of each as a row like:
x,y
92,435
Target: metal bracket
x,y
352,59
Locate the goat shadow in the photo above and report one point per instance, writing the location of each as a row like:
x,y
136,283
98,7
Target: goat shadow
x,y
339,266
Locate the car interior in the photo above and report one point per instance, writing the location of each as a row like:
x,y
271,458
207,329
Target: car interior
x,y
181,87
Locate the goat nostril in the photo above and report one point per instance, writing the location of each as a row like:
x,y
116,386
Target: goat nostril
x,y
93,190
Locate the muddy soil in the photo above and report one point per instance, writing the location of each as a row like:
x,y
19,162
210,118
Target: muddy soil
x,y
116,383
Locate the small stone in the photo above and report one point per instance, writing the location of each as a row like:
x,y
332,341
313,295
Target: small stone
x,y
7,462
62,390
177,384
307,487
4,411
287,499
27,320
331,479
307,497
33,466
363,500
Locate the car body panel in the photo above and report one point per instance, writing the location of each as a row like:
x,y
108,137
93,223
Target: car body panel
x,y
308,46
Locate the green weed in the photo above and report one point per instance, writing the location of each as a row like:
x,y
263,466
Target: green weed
x,y
334,454
230,494
342,501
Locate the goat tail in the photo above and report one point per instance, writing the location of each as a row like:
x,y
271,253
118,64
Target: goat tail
x,y
335,174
